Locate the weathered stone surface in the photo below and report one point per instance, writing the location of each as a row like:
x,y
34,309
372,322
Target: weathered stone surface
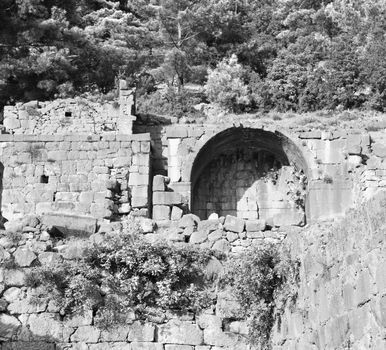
x,y
379,150
208,225
209,321
24,257
79,319
289,217
188,220
48,326
167,198
114,346
176,213
12,294
13,277
161,212
116,334
234,224
215,235
50,258
159,183
27,306
146,346
255,225
139,332
315,134
175,332
216,337
232,236
70,224
4,255
222,245
9,325
88,334
179,347
29,345
14,225
198,237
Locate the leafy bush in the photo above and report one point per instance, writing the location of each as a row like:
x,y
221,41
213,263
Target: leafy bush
x,y
226,87
170,103
264,280
126,273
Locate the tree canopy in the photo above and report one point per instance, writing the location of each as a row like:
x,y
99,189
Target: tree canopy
x,y
299,55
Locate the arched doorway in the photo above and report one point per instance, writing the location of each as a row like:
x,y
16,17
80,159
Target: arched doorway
x,y
251,174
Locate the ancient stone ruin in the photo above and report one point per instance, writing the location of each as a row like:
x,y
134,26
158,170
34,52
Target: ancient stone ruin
x,y
84,167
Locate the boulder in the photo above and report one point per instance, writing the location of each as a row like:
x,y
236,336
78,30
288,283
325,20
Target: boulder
x,y
50,258
24,257
234,224
255,225
188,220
209,225
198,237
222,245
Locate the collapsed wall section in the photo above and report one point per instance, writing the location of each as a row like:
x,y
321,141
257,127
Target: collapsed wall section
x,y
100,176
78,115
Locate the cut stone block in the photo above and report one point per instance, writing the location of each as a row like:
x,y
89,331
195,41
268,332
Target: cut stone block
x,y
139,202
161,212
188,220
70,225
167,198
159,183
139,332
234,224
255,225
136,179
180,332
176,213
198,237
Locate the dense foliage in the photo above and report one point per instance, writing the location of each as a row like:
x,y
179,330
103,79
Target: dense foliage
x,y
264,280
297,55
122,274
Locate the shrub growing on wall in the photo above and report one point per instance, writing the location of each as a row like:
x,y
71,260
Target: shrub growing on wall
x,y
264,280
125,273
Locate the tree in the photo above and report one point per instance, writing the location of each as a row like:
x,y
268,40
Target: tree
x,y
225,85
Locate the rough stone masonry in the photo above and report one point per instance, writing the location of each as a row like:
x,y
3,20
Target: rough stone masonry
x,y
78,166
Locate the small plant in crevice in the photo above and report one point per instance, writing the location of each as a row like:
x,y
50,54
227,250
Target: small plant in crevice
x,y
264,280
125,273
327,179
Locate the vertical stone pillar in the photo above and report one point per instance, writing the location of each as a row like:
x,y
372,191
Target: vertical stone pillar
x,y
126,109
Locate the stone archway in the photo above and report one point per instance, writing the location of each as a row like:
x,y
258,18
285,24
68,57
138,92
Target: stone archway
x,y
252,174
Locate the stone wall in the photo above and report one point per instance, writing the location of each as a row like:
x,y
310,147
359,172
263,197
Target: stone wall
x,y
73,115
27,324
100,176
343,167
342,295
250,185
